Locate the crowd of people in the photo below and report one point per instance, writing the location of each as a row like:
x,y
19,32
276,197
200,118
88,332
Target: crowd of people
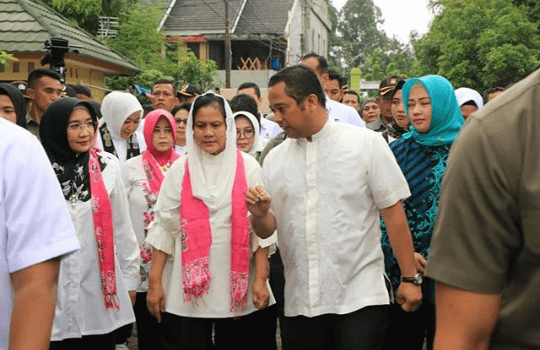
x,y
403,221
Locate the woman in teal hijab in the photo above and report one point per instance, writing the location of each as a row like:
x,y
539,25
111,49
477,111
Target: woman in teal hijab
x,y
422,153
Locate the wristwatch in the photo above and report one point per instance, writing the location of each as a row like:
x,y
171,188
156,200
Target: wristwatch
x,y
416,279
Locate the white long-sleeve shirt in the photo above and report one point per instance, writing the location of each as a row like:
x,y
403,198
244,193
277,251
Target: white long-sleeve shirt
x,y
80,307
326,195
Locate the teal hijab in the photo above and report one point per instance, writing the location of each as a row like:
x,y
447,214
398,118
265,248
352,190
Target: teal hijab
x,y
446,118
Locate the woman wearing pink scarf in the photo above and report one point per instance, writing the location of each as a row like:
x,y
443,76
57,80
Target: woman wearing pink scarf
x,y
142,177
208,268
96,286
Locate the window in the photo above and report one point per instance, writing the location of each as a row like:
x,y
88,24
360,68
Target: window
x,y
16,67
30,66
195,47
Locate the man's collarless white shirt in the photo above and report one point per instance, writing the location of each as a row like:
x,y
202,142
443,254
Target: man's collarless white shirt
x,y
326,195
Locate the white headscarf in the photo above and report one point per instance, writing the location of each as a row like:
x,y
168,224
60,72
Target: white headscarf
x,y
257,143
116,108
212,176
465,94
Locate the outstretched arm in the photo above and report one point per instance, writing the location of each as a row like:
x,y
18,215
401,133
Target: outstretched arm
x,y
33,307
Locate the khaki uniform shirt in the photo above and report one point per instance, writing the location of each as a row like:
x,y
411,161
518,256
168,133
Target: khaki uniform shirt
x,y
487,235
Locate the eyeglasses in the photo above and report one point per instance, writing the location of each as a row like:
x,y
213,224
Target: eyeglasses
x,y
75,127
181,121
247,133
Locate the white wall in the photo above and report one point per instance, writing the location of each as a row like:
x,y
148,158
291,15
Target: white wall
x,y
314,33
238,77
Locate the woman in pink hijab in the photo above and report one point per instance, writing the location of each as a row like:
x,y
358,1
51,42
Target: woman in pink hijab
x,y
142,176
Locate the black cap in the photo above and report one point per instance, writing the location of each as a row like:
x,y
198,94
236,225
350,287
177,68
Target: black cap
x,y
387,85
69,91
22,86
188,90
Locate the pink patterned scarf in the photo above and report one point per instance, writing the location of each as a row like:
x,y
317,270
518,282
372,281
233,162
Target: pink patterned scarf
x,y
103,226
197,238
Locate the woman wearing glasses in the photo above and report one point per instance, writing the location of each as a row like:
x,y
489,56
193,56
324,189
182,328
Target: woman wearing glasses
x,y
97,284
247,134
181,113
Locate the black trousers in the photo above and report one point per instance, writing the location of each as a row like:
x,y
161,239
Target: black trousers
x,y
363,329
407,330
87,342
147,326
187,333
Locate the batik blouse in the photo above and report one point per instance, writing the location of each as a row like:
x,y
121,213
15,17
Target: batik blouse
x,y
423,167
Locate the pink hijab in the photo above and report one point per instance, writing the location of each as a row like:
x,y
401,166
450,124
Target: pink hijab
x,y
152,158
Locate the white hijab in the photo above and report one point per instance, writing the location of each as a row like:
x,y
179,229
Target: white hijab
x,y
212,176
116,108
465,94
257,143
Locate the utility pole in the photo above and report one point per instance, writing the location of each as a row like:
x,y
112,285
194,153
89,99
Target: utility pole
x,y
227,48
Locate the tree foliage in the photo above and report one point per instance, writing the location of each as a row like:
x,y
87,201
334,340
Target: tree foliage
x,y
360,42
85,13
5,57
480,43
139,39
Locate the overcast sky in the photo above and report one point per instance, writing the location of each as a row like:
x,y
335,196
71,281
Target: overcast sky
x,y
400,16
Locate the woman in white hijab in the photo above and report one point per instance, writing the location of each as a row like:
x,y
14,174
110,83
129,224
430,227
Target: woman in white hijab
x,y
469,101
118,132
208,267
248,134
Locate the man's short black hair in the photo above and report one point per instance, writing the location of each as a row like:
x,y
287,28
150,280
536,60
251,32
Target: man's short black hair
x,y
165,81
323,64
246,103
250,85
39,73
182,106
352,92
333,75
490,91
83,90
300,82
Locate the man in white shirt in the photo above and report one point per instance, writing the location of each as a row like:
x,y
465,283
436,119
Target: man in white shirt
x,y
326,184
35,229
269,129
337,111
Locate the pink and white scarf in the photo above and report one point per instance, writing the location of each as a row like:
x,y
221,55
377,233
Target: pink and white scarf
x,y
103,227
197,238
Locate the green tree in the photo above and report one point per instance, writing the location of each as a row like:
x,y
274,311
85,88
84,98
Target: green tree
x,y
5,57
358,31
85,12
139,39
480,43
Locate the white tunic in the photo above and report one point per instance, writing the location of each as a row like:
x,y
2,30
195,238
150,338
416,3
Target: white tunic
x,y
165,230
326,195
80,308
133,177
34,222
